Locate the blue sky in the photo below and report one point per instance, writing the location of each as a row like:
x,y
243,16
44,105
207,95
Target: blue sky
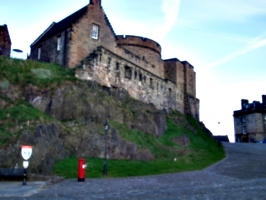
x,y
225,41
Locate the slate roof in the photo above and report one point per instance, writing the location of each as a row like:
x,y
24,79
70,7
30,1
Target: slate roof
x,y
55,28
58,27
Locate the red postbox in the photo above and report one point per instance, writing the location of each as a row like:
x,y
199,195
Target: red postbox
x,y
81,169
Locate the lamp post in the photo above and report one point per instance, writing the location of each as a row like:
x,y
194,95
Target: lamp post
x,y
106,127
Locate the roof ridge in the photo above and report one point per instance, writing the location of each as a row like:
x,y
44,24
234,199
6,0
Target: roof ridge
x,y
109,23
49,27
55,28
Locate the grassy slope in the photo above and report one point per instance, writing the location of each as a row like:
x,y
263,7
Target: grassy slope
x,y
202,152
16,115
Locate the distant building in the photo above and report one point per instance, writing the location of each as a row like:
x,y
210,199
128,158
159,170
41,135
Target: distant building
x,y
250,121
85,40
5,41
221,138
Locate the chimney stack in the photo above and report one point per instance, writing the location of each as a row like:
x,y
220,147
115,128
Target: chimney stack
x,y
96,2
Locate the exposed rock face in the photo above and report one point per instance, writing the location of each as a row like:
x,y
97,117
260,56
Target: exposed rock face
x,y
80,102
79,112
47,146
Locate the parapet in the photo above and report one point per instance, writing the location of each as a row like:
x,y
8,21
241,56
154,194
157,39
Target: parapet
x,y
130,40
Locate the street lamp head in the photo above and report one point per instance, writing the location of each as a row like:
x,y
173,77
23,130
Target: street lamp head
x,y
106,125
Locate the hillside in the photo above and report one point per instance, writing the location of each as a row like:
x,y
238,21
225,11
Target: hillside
x,y
62,117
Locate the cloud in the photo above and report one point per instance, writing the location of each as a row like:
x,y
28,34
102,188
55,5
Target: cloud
x,y
255,43
202,13
170,9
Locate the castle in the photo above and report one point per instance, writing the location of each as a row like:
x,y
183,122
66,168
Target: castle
x,y
86,41
250,121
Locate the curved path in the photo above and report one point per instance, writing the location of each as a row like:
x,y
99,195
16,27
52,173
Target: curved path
x,y
241,175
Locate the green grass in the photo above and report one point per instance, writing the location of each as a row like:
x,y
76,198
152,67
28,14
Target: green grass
x,y
26,72
202,152
18,115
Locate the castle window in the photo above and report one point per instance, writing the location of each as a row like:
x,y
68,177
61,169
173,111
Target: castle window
x,y
151,82
95,32
58,43
109,61
244,130
128,72
170,91
243,119
140,77
117,66
39,53
136,74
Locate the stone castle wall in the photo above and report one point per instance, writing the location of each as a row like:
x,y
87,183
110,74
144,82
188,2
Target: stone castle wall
x,y
112,70
82,43
147,50
49,51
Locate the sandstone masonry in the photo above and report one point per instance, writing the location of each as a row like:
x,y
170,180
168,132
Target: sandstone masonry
x,y
250,121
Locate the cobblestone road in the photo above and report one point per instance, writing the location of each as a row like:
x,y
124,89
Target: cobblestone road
x,y
242,175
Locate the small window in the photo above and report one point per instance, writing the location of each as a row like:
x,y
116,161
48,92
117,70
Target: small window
x,y
95,32
59,43
244,130
136,74
39,53
128,72
109,61
151,82
170,91
140,76
117,66
243,119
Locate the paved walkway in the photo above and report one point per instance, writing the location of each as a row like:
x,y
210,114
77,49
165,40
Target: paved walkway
x,y
242,175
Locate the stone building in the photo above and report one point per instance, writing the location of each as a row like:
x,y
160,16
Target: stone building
x,y
5,41
86,41
250,121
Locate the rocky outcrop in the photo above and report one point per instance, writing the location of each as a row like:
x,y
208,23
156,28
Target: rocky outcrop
x,y
88,104
50,142
79,111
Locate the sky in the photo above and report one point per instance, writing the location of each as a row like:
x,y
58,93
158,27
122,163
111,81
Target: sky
x,y
225,41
